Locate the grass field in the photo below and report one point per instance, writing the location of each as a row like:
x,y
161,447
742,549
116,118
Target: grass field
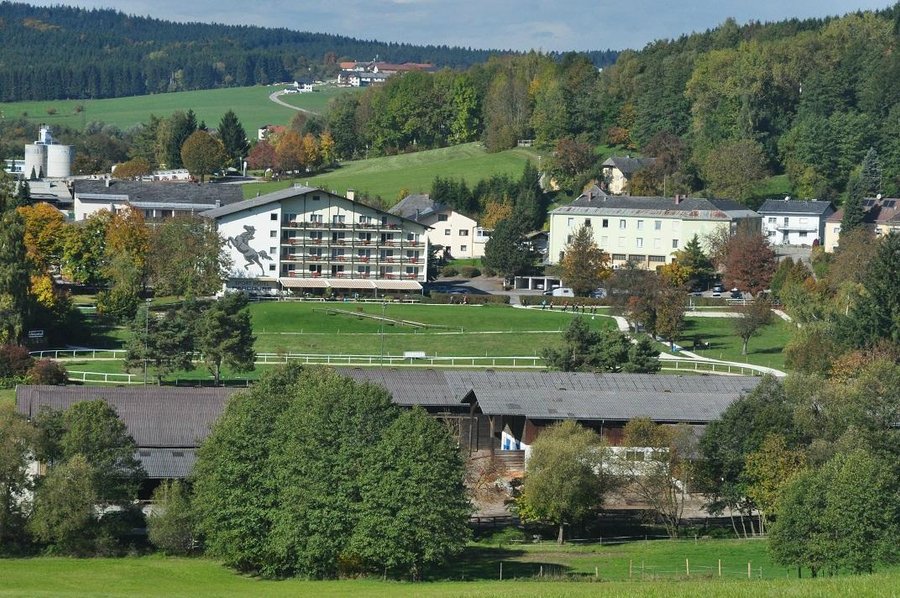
x,y
159,576
388,175
7,395
251,104
765,349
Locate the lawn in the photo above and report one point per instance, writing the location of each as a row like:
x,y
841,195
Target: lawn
x,y
388,175
7,395
317,101
765,349
479,567
251,104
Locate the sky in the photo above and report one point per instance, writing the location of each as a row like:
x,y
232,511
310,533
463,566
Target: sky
x,y
546,25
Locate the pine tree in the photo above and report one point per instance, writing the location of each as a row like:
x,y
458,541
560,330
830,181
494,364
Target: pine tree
x,y
234,138
870,176
854,214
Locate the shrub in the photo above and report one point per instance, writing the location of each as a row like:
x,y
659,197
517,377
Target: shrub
x,y
169,525
469,271
449,271
470,299
488,271
47,371
14,361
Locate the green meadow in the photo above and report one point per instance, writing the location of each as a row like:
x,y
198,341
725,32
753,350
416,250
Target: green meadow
x,y
251,104
657,569
766,349
391,176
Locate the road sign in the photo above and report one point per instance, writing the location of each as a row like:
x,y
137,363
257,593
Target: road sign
x,y
35,334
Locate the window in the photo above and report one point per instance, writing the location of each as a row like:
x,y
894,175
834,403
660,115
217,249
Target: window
x,y
569,240
273,250
674,243
786,220
640,225
338,219
463,232
316,198
273,234
271,267
771,219
622,224
639,242
571,222
464,248
442,217
657,225
448,232
802,234
273,216
657,258
620,257
587,221
606,223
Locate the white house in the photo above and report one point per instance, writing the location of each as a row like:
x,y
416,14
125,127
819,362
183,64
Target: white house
x,y
457,233
791,222
618,171
304,239
645,231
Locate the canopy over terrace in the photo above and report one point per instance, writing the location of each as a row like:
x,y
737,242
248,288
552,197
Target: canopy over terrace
x,y
346,284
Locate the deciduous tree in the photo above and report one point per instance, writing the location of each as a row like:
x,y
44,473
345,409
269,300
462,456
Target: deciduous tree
x,y
18,440
754,316
170,523
734,168
202,154
749,262
584,265
225,335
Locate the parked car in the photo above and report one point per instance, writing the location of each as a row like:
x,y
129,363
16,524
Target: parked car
x,y
736,294
598,293
560,292
719,288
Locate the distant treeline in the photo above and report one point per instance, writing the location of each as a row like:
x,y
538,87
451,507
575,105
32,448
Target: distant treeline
x,y
71,53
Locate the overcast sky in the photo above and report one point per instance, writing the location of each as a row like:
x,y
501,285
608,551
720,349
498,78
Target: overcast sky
x,y
502,24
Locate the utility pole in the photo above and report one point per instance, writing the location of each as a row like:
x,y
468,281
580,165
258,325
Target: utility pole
x,y
383,306
146,335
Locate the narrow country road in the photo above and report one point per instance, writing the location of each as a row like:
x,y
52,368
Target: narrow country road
x,y
274,96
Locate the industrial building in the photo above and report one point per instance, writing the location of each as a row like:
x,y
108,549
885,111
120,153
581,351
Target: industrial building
x,y
47,159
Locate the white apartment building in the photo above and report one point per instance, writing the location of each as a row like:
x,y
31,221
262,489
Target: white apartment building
x,y
792,222
458,234
645,231
307,240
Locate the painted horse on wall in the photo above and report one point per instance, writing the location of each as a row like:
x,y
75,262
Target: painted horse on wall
x,y
241,242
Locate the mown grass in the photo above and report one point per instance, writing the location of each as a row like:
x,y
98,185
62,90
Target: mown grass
x,y
767,349
7,395
414,173
479,567
251,104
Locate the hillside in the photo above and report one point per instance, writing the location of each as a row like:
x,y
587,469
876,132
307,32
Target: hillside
x,y
387,176
64,52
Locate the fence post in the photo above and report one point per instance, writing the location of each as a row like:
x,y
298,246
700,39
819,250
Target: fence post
x,y
720,567
687,567
630,568
501,570
749,574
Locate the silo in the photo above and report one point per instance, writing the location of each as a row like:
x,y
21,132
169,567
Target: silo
x,y
59,161
35,160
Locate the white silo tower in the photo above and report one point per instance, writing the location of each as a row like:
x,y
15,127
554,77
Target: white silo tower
x,y
35,160
59,161
47,159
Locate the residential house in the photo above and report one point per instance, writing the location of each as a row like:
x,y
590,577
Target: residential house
x,y
881,217
792,222
644,231
156,200
459,235
618,171
306,240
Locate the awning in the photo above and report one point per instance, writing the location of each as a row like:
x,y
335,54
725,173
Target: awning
x,y
303,283
397,285
350,283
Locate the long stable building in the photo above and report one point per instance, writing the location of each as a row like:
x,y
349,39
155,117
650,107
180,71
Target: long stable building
x,y
306,240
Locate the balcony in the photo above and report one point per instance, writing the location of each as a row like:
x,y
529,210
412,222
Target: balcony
x,y
796,228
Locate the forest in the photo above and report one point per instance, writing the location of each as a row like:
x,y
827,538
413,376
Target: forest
x,y
63,52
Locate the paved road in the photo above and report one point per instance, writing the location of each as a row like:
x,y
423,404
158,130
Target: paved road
x,y
274,96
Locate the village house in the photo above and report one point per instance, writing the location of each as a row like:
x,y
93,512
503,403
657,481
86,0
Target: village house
x,y
792,222
459,235
156,200
618,170
306,240
644,231
881,217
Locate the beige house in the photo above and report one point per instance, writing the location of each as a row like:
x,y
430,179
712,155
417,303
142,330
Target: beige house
x,y
458,234
882,216
645,231
618,170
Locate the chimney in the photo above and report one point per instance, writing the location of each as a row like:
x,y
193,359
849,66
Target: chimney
x,y
678,198
351,194
218,203
107,182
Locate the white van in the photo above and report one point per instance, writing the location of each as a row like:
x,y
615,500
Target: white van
x,y
561,292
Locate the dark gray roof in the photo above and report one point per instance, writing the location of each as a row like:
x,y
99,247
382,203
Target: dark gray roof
x,y
417,206
696,208
628,165
156,416
144,192
413,386
167,464
611,397
781,206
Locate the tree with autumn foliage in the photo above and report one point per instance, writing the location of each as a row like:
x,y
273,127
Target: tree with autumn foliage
x,y
202,154
494,212
262,156
127,244
134,168
44,234
584,264
289,151
749,262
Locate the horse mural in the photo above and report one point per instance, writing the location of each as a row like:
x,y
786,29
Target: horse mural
x,y
242,243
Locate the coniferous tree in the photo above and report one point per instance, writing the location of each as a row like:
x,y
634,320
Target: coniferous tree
x,y
225,336
234,139
854,214
871,174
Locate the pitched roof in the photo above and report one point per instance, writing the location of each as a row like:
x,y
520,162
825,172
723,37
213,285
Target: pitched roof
x,y
262,200
139,193
876,211
693,208
417,206
413,386
793,206
628,165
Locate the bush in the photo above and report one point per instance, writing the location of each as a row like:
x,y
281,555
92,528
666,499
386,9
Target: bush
x,y
169,524
488,271
14,361
470,299
449,271
469,272
47,371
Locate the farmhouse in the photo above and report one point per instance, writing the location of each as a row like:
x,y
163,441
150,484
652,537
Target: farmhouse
x,y
791,222
306,240
618,171
500,412
157,200
459,235
882,216
644,231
